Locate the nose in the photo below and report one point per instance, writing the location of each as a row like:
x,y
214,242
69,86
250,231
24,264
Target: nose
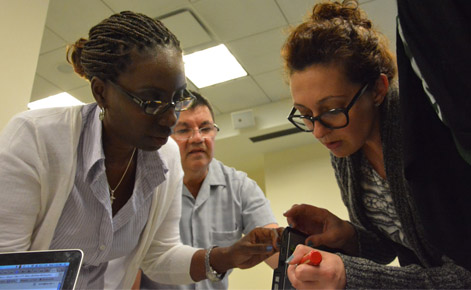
x,y
320,130
168,118
196,137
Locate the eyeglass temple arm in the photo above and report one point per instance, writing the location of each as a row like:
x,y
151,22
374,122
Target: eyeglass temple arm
x,y
352,102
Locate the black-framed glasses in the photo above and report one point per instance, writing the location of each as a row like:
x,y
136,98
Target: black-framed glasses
x,y
207,131
181,101
333,119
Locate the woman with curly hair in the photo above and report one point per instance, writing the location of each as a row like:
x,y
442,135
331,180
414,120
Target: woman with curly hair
x,y
342,81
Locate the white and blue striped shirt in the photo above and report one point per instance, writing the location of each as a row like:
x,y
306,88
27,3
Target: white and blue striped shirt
x,y
87,222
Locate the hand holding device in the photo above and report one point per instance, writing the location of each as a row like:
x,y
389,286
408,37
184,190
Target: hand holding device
x,y
323,228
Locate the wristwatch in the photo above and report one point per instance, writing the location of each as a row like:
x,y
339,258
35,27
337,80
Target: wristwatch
x,y
211,274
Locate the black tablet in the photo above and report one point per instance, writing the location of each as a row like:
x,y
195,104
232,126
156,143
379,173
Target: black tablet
x,y
52,269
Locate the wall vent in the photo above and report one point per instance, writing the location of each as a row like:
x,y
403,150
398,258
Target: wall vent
x,y
275,135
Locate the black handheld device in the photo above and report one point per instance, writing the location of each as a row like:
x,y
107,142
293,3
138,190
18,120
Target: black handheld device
x,y
290,238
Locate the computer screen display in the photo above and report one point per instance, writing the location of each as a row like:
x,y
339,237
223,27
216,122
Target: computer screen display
x,y
33,276
55,269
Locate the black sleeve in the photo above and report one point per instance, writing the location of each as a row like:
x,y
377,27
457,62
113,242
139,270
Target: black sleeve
x,y
436,34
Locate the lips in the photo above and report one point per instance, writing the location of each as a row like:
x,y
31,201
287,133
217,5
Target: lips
x,y
196,151
161,140
162,132
333,145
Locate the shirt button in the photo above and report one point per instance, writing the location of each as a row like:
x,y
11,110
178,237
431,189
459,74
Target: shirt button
x,y
102,247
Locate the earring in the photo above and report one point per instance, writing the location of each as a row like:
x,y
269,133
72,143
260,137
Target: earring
x,y
101,116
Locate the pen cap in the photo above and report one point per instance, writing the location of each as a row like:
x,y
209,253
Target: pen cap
x,y
313,258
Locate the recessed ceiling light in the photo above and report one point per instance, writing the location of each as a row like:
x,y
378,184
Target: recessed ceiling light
x,y
59,100
211,66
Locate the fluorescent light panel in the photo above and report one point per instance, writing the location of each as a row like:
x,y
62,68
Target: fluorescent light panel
x,y
59,100
212,66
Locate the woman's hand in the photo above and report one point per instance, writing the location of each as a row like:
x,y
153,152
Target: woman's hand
x,y
323,228
329,274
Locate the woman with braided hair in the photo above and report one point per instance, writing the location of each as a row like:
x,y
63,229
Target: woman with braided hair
x,y
342,81
105,177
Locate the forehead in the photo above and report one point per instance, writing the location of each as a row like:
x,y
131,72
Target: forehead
x,y
318,82
195,116
158,63
319,74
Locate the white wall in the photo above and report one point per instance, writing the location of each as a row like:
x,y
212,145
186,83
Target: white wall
x,y
299,175
21,29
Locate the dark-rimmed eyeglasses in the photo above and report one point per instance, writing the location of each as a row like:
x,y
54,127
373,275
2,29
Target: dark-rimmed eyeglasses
x,y
207,131
333,119
181,101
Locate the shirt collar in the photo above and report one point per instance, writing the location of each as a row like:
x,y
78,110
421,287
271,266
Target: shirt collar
x,y
150,163
151,171
92,141
215,175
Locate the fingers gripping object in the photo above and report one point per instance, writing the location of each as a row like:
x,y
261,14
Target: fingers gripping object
x,y
312,258
289,239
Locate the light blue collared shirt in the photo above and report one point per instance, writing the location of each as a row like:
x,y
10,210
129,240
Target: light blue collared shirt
x,y
228,205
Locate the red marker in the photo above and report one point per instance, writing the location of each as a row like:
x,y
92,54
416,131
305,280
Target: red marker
x,y
313,258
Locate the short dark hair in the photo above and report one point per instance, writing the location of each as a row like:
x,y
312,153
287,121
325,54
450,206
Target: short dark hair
x,y
107,52
201,101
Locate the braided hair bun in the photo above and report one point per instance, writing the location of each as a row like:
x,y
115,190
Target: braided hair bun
x,y
107,51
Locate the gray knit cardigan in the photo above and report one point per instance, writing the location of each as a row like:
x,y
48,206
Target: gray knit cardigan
x,y
424,266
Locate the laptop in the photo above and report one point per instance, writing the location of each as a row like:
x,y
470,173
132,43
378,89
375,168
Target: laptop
x,y
51,269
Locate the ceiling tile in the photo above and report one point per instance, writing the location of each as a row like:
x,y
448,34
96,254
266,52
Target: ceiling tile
x,y
187,29
239,94
151,8
296,10
383,15
193,88
236,19
51,41
49,66
71,20
216,111
259,53
273,84
83,94
43,88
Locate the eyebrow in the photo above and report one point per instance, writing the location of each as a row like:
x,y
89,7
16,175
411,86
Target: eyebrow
x,y
159,90
321,101
185,124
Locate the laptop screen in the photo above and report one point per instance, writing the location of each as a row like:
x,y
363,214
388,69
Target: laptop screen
x,y
40,270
